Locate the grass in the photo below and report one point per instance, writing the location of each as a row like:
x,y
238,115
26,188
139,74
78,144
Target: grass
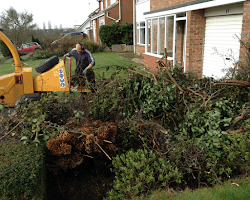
x,y
228,191
102,60
113,62
7,68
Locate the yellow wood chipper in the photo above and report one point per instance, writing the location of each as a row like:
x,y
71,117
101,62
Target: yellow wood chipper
x,y
52,78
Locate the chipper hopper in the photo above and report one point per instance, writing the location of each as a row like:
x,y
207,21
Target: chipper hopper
x,y
21,83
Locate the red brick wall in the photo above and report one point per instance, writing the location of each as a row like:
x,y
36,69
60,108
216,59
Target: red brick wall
x,y
139,50
195,41
180,33
114,13
150,62
126,15
158,4
127,11
245,34
97,31
90,35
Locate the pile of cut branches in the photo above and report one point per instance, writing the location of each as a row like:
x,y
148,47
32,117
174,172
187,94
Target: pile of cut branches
x,y
178,93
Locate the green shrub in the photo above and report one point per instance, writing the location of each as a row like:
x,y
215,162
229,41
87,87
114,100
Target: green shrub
x,y
236,151
39,54
116,34
127,33
141,172
128,136
4,49
106,102
22,171
36,112
67,44
62,47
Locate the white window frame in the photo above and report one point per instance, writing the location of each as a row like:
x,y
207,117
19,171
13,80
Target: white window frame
x,y
138,29
165,43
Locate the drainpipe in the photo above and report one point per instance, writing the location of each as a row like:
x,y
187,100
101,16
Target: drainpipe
x,y
116,20
134,24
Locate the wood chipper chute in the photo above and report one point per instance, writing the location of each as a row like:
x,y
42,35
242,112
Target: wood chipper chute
x,y
52,78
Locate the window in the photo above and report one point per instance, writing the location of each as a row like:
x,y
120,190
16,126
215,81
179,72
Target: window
x,y
102,5
154,35
101,22
161,44
106,3
112,1
140,32
148,35
170,36
160,33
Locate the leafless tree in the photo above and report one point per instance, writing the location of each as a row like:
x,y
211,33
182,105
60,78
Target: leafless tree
x,y
19,27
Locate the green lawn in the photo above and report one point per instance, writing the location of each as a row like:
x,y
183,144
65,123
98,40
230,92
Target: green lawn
x,y
233,189
6,65
102,60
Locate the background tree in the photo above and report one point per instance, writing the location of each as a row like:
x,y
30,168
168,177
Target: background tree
x,y
19,27
35,39
4,49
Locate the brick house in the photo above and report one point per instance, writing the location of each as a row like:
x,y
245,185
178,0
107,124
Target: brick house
x,y
201,36
119,11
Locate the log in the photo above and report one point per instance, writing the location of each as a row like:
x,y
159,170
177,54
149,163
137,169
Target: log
x,y
241,130
231,84
246,83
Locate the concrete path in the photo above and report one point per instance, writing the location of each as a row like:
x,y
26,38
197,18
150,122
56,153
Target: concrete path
x,y
132,57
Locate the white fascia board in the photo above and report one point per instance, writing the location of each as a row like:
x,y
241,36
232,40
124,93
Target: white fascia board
x,y
84,23
102,12
97,16
193,7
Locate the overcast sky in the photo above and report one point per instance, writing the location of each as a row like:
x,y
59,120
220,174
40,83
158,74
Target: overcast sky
x,y
67,13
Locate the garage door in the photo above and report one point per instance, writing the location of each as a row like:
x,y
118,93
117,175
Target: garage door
x,y
221,47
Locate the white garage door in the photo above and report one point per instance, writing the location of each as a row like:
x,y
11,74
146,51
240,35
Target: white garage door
x,y
221,48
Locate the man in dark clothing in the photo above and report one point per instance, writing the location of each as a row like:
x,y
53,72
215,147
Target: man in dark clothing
x,y
84,64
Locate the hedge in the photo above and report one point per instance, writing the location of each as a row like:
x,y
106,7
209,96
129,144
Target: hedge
x,y
22,171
